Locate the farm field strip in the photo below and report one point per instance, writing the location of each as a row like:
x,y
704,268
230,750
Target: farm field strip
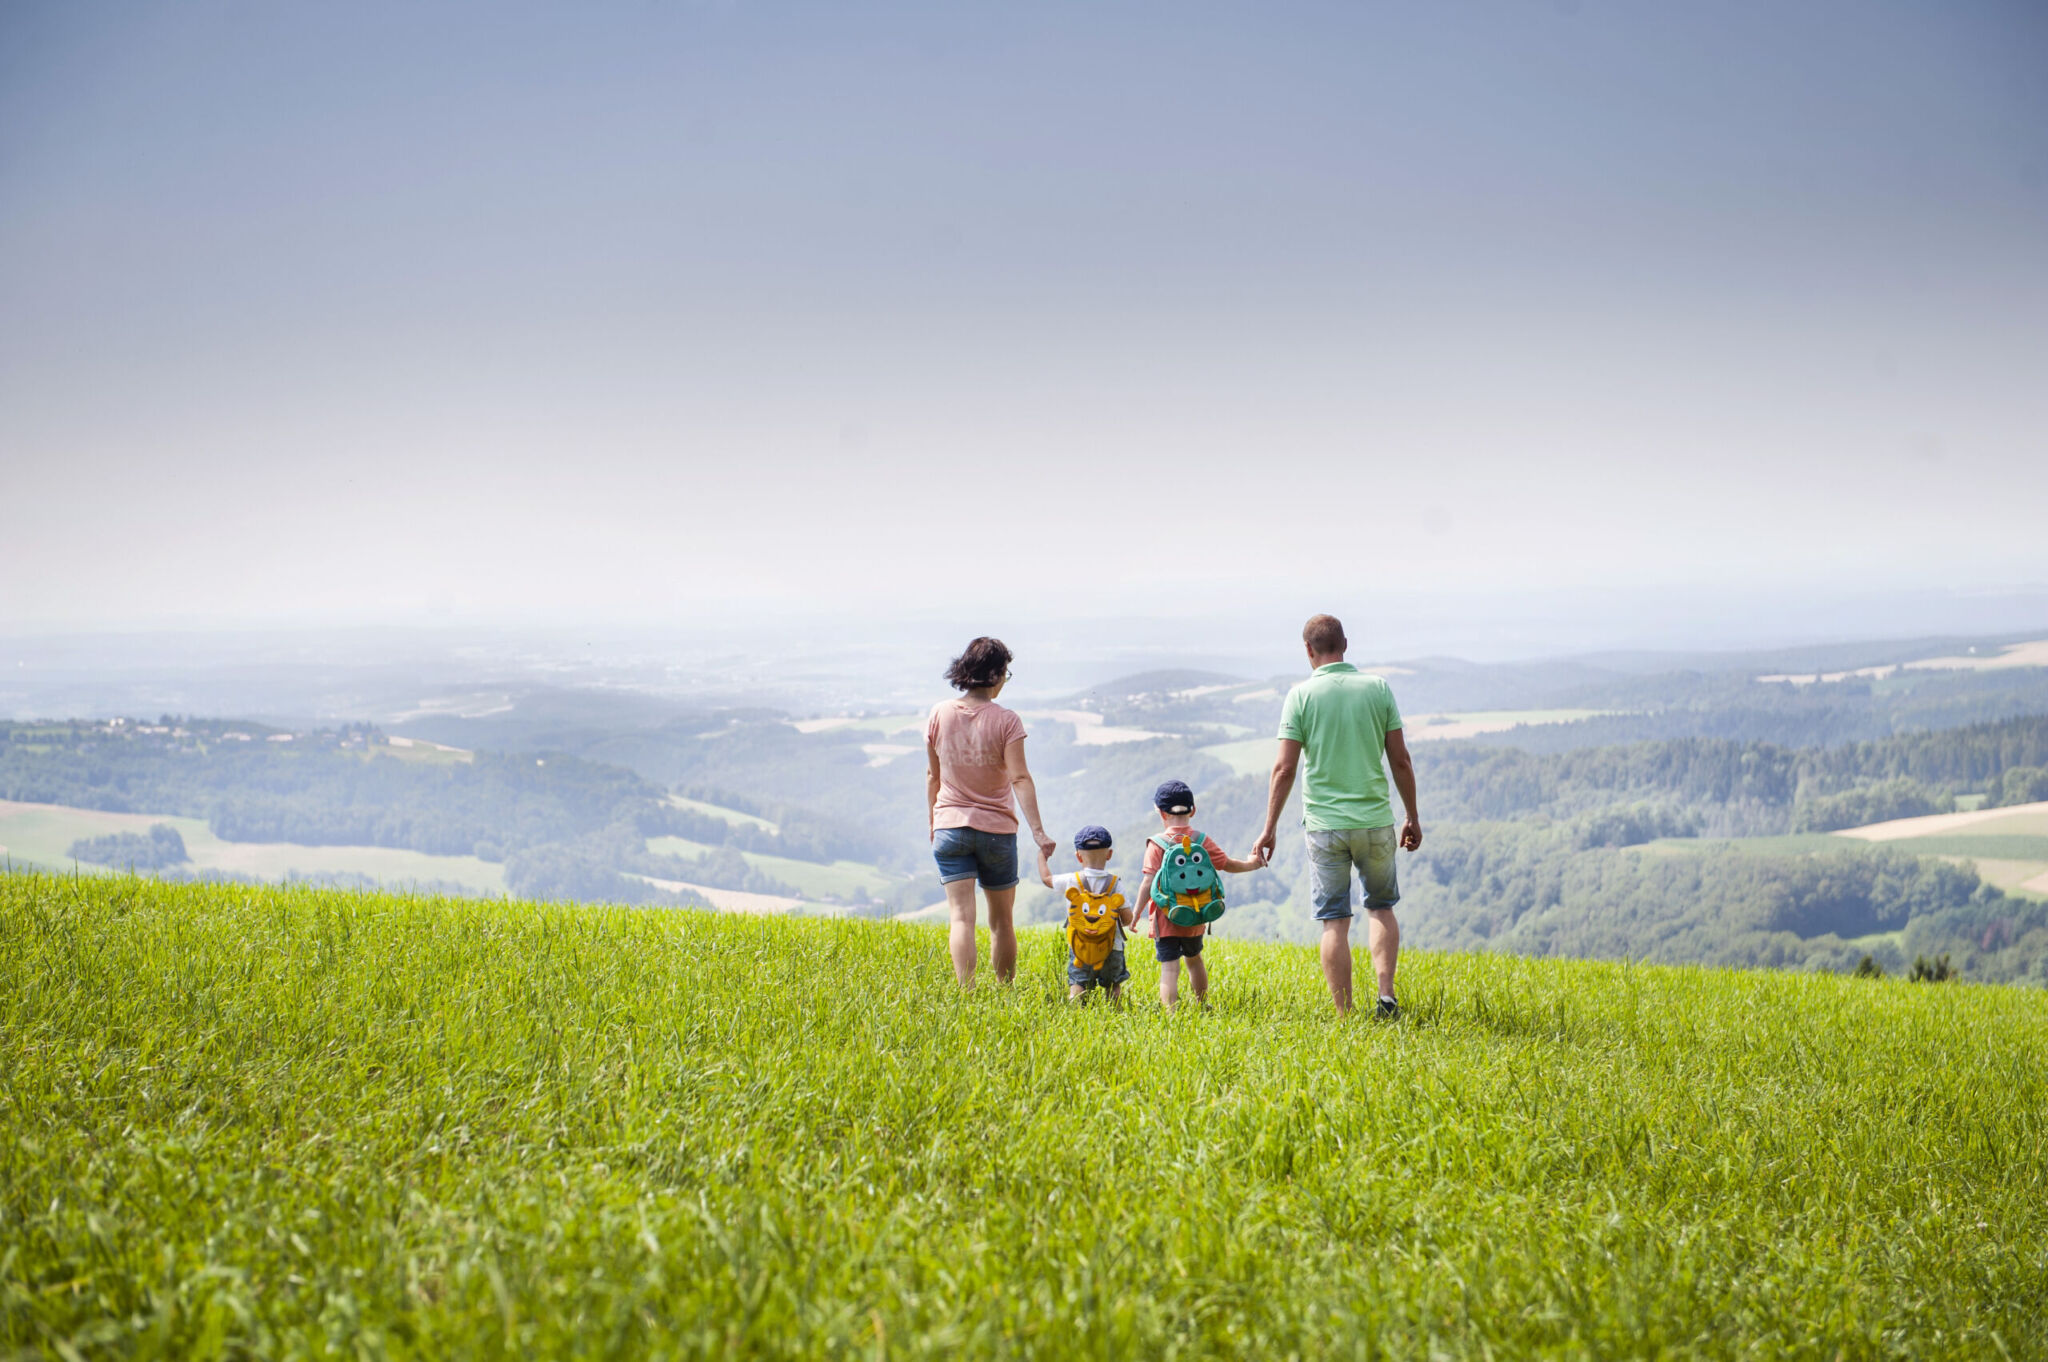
x,y
723,814
2015,819
837,879
1249,756
42,834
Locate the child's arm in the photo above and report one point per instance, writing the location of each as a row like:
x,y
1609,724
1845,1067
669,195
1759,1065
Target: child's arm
x,y
1145,895
1045,869
1226,862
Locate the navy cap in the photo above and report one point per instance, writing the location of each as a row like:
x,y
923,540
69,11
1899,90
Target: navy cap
x,y
1094,837
1174,797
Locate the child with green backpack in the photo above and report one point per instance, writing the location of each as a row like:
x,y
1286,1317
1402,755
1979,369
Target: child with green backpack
x,y
1182,890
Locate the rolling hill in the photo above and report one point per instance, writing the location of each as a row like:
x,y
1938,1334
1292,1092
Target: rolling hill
x,y
241,1121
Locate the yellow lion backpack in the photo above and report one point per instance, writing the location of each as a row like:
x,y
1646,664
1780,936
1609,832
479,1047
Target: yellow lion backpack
x,y
1092,922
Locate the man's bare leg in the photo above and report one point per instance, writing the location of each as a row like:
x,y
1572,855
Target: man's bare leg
x,y
1337,960
960,904
1198,975
1002,933
1384,936
1169,983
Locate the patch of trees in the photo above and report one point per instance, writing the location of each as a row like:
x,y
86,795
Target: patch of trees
x,y
1730,789
1531,891
2019,785
1739,708
1900,797
584,872
158,849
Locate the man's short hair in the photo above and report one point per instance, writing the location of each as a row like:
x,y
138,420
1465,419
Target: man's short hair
x,y
1324,634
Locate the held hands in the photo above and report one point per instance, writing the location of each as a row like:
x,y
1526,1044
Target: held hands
x,y
1262,850
1411,834
1046,846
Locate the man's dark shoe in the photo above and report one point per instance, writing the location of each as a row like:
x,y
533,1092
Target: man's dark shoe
x,y
1388,1010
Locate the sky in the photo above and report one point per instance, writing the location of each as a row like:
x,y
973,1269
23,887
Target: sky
x,y
511,315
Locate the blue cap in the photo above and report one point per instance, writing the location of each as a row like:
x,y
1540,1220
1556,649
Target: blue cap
x,y
1094,837
1174,797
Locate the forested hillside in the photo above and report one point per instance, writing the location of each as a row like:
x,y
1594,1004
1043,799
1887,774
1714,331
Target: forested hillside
x,y
1595,851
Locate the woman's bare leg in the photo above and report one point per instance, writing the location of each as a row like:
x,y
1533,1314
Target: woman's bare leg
x,y
1002,932
960,904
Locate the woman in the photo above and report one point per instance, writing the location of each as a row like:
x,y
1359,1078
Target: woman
x,y
975,752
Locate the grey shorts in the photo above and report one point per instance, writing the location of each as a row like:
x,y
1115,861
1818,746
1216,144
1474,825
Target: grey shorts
x,y
1113,973
1333,853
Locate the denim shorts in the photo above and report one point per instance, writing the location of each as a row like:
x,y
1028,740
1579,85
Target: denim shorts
x,y
1176,947
1112,974
1333,852
970,853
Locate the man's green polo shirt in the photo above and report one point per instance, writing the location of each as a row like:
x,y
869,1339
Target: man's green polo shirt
x,y
1341,717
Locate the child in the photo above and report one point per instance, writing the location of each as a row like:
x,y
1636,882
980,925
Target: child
x,y
1096,918
1176,941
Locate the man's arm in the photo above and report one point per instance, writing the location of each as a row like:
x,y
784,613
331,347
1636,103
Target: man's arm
x,y
1284,767
931,788
1402,767
1027,794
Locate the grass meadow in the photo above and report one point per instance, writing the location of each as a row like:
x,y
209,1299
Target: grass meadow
x,y
266,1122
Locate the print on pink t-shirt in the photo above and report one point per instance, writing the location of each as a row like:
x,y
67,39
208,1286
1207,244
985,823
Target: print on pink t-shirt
x,y
974,788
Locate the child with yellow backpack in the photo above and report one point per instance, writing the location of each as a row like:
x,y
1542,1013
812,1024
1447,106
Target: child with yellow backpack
x,y
1097,917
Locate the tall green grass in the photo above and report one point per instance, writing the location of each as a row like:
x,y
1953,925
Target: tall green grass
x,y
266,1122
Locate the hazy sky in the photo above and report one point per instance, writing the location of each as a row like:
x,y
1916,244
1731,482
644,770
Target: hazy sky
x,y
517,314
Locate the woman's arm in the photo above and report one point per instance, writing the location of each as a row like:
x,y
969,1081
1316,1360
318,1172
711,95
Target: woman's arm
x,y
931,788
1027,794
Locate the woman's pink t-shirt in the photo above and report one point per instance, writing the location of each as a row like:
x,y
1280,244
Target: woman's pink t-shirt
x,y
974,786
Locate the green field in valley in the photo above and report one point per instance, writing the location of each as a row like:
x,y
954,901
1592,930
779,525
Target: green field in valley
x,y
42,834
723,814
246,1122
813,879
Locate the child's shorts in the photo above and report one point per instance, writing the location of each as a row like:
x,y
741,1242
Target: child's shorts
x,y
1174,947
1112,974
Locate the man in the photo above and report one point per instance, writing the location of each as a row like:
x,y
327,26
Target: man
x,y
1342,719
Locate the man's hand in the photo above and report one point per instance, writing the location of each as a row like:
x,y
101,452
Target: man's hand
x,y
1411,834
1262,850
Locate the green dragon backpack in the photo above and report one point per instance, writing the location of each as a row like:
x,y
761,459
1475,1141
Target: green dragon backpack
x,y
1187,888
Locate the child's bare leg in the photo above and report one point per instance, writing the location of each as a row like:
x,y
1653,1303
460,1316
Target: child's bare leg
x,y
1077,994
1002,932
1198,975
1116,994
960,905
1169,983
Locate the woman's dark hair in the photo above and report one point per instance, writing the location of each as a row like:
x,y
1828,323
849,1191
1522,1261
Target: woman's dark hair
x,y
983,663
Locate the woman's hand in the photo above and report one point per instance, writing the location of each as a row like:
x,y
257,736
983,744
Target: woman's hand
x,y
1046,845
